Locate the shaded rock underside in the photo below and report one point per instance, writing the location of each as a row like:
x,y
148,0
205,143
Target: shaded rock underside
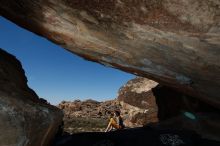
x,y
174,42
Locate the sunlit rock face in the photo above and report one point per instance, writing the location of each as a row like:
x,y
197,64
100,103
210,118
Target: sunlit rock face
x,y
144,101
138,103
175,42
25,120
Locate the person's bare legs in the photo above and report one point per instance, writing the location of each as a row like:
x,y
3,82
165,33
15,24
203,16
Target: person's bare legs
x,y
112,124
109,127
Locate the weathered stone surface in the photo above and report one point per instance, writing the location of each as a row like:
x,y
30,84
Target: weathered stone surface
x,y
24,119
145,102
179,111
174,42
137,91
138,102
206,124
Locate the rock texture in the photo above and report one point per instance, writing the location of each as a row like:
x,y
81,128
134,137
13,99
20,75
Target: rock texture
x,y
178,111
174,42
138,102
172,103
145,102
24,119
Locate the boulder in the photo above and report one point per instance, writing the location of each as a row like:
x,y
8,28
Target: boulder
x,y
144,101
174,42
25,119
138,102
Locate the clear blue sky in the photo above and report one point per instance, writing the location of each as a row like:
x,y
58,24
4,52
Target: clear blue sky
x,y
56,74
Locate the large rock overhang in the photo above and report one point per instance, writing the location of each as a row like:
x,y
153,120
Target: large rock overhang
x,y
174,42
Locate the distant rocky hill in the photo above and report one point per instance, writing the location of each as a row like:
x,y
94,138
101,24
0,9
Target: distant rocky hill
x,y
88,108
135,101
88,115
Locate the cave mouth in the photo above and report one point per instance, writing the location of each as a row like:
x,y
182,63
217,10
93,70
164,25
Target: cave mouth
x,y
56,74
49,68
39,59
42,60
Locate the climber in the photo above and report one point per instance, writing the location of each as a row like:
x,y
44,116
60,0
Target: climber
x,y
115,122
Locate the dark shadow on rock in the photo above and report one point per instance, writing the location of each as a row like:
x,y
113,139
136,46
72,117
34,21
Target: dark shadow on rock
x,y
179,111
172,103
145,136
